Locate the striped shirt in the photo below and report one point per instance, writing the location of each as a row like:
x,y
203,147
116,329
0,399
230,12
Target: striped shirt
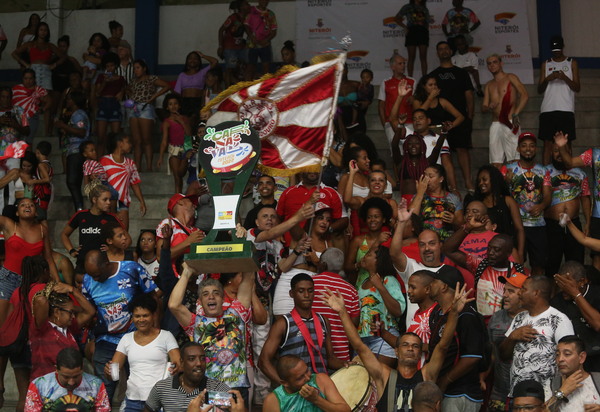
x,y
334,282
169,396
294,344
93,167
126,72
121,176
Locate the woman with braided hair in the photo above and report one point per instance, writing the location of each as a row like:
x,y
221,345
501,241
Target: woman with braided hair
x,y
55,320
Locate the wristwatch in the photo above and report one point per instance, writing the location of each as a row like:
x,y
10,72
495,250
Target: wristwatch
x,y
560,396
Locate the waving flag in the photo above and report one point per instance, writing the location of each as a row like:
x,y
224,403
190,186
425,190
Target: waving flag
x,y
291,110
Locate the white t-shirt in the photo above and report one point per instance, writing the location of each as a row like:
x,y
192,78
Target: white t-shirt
x,y
413,266
536,359
469,59
585,395
147,363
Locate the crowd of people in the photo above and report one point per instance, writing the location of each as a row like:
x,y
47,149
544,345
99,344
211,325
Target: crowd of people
x,y
389,282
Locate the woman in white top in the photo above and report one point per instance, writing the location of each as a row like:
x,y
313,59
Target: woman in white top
x,y
147,350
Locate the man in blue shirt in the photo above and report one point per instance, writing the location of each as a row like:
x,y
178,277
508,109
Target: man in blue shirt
x,y
110,286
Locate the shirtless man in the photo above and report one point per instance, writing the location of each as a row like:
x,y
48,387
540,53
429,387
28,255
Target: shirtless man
x,y
501,100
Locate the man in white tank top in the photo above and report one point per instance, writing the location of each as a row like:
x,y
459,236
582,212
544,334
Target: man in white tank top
x,y
559,81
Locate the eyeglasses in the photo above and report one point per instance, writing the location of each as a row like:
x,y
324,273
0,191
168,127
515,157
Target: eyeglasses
x,y
526,407
69,311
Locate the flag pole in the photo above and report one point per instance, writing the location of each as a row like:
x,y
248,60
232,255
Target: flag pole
x,y
329,138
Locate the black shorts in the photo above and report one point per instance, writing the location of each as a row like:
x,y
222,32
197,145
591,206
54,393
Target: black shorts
x,y
595,232
552,122
536,246
460,136
191,106
417,36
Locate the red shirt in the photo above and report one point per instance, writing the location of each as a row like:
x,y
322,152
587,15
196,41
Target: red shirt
x,y
389,93
334,282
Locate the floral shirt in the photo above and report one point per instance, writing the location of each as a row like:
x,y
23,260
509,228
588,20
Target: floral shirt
x,y
371,303
432,208
224,341
568,184
591,158
526,187
47,394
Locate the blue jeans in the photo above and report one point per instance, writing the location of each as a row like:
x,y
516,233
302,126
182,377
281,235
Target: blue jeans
x,y
102,355
133,406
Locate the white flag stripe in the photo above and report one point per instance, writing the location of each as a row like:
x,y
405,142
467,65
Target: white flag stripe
x,y
293,156
297,78
236,98
317,113
253,90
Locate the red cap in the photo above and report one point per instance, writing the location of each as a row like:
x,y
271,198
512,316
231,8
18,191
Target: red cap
x,y
177,197
516,279
527,135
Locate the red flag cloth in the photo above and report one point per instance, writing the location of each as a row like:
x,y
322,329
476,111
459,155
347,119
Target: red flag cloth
x,y
292,111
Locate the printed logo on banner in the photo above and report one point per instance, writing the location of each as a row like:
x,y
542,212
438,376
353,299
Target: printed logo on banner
x,y
319,3
504,20
320,30
391,29
354,60
510,56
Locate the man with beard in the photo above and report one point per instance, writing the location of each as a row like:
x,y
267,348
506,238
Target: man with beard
x,y
179,391
69,387
497,327
580,301
501,100
533,334
570,193
486,270
529,184
266,190
418,293
430,251
396,385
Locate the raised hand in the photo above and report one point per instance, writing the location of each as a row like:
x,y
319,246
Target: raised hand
x,y
403,213
461,298
561,139
404,88
333,299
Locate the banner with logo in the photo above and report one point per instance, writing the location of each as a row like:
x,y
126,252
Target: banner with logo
x,y
321,24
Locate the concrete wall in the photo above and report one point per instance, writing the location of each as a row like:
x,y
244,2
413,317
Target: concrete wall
x,y
194,27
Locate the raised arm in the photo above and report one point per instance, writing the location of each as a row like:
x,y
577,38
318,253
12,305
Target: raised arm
x,y
88,311
399,259
176,306
403,90
432,369
305,212
561,141
245,290
378,371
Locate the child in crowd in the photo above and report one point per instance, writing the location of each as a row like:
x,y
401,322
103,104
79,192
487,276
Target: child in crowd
x,y
117,241
365,93
92,169
213,85
467,60
98,47
146,251
122,174
42,180
174,129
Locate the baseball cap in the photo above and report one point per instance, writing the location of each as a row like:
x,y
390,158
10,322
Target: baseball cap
x,y
557,43
516,279
177,197
450,276
529,388
527,135
321,205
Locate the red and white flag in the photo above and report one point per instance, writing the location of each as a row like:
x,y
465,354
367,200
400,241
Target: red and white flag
x,y
292,111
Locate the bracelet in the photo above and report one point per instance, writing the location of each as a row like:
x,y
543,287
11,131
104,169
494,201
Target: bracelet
x,y
296,252
72,250
578,295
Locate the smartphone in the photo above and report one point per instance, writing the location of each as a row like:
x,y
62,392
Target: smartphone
x,y
219,398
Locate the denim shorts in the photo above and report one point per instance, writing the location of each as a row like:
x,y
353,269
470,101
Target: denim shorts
x,y
9,281
109,110
121,206
142,111
131,405
233,57
380,347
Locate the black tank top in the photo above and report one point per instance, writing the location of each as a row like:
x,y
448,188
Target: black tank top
x,y
403,393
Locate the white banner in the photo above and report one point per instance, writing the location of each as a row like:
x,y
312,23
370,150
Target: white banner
x,y
375,35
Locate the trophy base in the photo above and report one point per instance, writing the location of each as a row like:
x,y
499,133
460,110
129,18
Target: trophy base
x,y
222,257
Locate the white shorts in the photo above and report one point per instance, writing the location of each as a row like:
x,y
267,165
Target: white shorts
x,y
389,133
503,143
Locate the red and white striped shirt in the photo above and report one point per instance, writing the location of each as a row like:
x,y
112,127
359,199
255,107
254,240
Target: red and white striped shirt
x,y
93,167
121,176
334,282
28,99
